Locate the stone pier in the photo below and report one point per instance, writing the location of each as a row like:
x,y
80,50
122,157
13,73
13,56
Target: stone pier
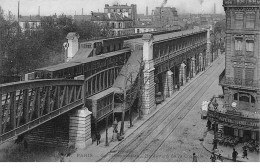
x,y
80,128
148,95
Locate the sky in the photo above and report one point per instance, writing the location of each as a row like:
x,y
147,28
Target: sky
x,y
69,7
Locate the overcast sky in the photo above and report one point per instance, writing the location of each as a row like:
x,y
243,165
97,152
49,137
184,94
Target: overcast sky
x,y
68,7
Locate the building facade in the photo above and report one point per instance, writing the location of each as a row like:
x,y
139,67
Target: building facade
x,y
119,24
166,17
146,28
240,80
128,11
30,23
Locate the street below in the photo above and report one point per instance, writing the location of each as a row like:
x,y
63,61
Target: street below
x,y
173,134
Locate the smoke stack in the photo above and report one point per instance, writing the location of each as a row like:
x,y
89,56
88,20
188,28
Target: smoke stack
x,y
82,11
18,10
39,10
146,10
214,8
164,3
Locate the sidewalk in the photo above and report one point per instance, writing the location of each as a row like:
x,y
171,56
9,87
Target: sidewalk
x,y
94,153
226,152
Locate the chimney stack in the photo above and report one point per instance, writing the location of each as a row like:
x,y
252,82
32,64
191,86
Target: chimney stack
x,y
146,10
82,11
18,10
73,44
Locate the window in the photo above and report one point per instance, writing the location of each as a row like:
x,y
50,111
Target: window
x,y
243,98
236,132
238,75
250,20
239,20
238,44
138,30
250,46
253,135
249,76
236,96
252,99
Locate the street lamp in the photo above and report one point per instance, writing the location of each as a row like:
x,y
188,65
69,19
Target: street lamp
x,y
215,105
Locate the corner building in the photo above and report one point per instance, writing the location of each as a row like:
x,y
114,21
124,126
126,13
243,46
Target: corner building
x,y
240,80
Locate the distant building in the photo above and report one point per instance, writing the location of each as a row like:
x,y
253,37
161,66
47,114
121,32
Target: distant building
x,y
165,17
144,19
146,28
128,11
80,18
30,23
33,23
120,24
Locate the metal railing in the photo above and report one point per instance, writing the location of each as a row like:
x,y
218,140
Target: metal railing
x,y
245,83
241,2
233,119
25,105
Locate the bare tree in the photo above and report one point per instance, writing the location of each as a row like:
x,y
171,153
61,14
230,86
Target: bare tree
x,y
131,92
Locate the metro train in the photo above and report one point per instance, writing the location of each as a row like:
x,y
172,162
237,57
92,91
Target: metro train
x,y
104,53
89,66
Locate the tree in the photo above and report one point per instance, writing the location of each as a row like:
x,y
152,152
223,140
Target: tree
x,y
133,92
27,51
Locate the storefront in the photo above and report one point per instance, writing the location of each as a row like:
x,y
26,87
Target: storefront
x,y
237,126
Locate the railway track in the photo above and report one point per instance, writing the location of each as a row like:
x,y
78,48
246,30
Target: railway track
x,y
150,136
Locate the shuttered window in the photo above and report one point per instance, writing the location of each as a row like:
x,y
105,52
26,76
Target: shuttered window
x,y
238,44
238,73
249,76
249,73
239,20
250,46
250,20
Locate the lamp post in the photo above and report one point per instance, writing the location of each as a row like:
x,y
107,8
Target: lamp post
x,y
107,144
215,105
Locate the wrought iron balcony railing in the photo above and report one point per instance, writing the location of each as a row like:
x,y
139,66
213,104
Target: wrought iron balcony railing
x,y
244,83
233,119
241,2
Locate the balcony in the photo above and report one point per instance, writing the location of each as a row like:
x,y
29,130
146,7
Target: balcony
x,y
241,2
238,53
231,117
234,120
238,83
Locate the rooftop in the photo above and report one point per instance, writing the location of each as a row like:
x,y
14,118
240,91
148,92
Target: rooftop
x,y
172,35
130,69
102,94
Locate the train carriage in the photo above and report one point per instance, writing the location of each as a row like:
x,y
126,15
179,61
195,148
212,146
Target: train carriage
x,y
64,70
82,66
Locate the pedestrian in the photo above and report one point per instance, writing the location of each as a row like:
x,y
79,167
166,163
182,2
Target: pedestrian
x,y
98,138
62,157
213,157
194,158
245,153
115,124
234,155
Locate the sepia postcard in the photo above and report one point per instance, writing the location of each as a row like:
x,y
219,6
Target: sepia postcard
x,y
129,81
